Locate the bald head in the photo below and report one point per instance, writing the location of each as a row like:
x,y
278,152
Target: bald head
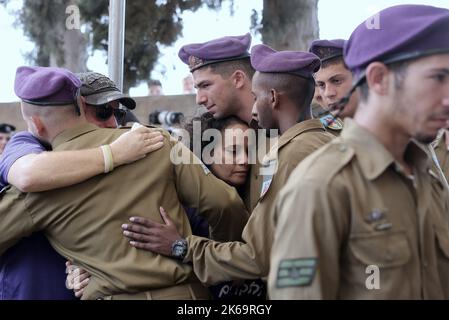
x,y
46,122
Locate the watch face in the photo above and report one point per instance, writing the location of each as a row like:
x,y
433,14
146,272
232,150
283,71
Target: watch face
x,y
178,251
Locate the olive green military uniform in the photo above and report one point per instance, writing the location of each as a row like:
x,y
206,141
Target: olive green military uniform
x,y
215,262
83,222
349,212
442,152
253,186
254,182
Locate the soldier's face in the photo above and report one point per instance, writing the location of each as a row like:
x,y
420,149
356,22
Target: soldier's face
x,y
232,156
262,110
422,101
215,93
333,83
92,116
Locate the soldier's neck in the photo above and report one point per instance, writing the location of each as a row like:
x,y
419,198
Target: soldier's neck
x,y
393,138
246,108
66,125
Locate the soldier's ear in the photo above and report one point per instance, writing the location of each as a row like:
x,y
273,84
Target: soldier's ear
x,y
239,79
378,78
274,98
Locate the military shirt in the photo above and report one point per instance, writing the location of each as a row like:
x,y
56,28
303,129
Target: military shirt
x,y
352,225
260,146
333,125
215,262
83,222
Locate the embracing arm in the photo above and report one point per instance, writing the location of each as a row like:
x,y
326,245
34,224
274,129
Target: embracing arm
x,y
51,170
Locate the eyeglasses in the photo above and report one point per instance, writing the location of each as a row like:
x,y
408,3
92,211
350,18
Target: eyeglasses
x,y
105,111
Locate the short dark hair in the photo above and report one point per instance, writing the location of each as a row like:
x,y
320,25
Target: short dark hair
x,y
298,89
208,121
227,68
154,83
333,61
398,68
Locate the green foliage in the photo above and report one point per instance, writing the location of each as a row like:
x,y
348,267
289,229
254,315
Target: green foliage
x,y
149,25
38,28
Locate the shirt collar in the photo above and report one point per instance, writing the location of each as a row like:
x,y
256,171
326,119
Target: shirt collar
x,y
299,128
73,133
372,155
291,133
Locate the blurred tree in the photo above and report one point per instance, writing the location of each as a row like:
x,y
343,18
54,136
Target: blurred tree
x,y
287,24
44,23
150,24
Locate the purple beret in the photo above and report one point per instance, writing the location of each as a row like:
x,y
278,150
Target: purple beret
x,y
327,49
404,32
265,59
46,86
197,55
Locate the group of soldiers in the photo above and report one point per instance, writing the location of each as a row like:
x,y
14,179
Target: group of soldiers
x,y
356,208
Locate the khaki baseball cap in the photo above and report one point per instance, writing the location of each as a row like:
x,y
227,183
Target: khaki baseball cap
x,y
98,89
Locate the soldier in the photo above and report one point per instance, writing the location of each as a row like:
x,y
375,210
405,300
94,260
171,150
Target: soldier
x,y
334,82
364,218
32,270
283,88
222,74
5,134
72,217
103,98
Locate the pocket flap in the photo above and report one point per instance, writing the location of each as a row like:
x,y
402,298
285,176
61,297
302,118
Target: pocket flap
x,y
384,250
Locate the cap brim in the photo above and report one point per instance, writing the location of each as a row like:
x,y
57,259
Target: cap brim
x,y
105,97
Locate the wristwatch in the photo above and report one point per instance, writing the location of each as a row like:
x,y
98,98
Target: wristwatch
x,y
179,249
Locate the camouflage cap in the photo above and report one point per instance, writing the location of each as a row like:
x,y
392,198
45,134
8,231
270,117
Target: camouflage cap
x,y
98,89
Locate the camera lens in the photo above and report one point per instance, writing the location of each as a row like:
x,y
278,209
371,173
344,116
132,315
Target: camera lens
x,y
166,118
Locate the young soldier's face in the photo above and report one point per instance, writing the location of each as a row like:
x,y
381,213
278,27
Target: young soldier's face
x,y
333,83
215,93
262,110
421,103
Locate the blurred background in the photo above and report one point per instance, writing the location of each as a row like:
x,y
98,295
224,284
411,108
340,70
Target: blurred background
x,y
36,32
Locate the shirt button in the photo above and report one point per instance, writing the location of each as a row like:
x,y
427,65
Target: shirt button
x,y
425,264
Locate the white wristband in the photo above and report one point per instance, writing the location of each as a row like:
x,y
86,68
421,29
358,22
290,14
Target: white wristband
x,y
108,159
